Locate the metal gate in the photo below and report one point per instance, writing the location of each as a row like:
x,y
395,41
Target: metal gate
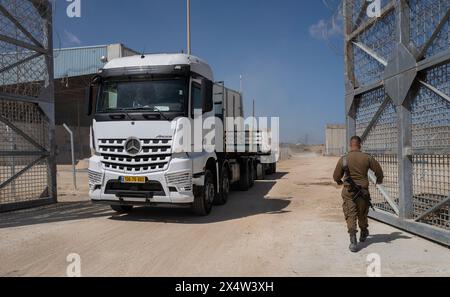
x,y
398,100
27,167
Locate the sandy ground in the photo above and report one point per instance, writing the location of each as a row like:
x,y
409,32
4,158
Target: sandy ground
x,y
291,225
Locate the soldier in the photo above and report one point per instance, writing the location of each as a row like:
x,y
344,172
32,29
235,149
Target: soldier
x,y
356,164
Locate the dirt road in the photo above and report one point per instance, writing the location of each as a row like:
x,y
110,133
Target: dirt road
x,y
289,226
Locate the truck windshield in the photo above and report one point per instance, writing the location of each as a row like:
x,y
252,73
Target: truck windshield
x,y
155,95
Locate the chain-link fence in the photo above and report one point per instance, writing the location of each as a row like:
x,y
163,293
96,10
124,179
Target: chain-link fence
x,y
398,101
27,168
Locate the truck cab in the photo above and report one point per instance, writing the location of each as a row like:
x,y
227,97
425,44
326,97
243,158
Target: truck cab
x,y
140,105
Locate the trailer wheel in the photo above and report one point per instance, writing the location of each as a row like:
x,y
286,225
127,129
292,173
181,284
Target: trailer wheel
x,y
204,196
274,168
260,172
222,197
122,208
244,180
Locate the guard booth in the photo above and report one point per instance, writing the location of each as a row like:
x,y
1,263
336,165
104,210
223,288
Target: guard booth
x,y
335,140
27,150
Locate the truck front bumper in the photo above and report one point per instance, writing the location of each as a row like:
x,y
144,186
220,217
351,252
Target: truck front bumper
x,y
174,186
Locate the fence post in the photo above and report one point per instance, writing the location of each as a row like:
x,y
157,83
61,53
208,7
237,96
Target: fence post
x,y
406,207
405,163
73,156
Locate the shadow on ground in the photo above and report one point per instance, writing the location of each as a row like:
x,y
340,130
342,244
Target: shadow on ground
x,y
240,205
275,176
383,238
63,211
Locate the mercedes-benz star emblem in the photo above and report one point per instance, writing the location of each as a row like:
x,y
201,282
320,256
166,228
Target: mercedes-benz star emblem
x,y
133,146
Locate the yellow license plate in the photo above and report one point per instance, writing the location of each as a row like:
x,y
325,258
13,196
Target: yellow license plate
x,y
134,179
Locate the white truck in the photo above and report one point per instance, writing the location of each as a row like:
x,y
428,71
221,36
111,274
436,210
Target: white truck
x,y
139,104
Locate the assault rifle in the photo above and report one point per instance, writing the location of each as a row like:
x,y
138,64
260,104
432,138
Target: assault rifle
x,y
357,191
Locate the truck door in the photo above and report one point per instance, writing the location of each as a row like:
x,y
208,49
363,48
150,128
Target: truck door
x,y
196,109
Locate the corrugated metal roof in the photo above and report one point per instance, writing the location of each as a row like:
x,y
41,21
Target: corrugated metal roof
x,y
78,61
68,62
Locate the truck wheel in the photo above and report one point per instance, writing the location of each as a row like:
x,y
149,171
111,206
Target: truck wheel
x,y
272,168
122,208
244,180
222,197
204,196
260,172
251,175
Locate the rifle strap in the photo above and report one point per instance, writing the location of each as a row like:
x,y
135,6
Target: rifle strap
x,y
347,178
345,165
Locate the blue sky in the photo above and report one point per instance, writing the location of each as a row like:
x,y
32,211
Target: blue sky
x,y
277,45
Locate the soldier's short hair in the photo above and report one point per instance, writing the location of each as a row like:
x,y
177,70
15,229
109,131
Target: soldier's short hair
x,y
357,139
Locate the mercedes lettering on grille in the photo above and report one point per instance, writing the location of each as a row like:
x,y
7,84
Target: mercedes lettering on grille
x,y
133,146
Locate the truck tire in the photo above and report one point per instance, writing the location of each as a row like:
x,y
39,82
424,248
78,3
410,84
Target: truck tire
x,y
244,180
204,196
222,197
251,175
272,169
260,172
122,208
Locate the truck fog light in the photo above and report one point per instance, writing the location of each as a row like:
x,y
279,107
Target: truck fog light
x,y
181,180
95,179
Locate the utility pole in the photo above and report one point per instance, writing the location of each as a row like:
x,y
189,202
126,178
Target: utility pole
x,y
254,108
188,18
240,84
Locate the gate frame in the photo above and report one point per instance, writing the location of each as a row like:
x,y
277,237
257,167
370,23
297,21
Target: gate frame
x,y
397,80
45,101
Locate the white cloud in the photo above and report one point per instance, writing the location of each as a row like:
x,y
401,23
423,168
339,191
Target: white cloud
x,y
319,30
326,29
72,38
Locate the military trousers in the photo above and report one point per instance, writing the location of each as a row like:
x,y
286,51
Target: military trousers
x,y
356,213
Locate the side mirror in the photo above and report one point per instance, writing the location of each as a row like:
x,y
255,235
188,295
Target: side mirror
x,y
89,98
207,96
89,94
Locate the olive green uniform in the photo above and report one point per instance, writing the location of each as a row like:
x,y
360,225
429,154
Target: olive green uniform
x,y
359,164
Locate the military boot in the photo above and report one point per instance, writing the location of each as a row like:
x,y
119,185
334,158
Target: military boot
x,y
353,243
364,235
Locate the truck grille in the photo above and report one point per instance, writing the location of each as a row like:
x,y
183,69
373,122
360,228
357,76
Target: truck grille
x,y
154,155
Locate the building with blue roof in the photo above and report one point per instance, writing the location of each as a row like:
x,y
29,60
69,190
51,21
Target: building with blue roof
x,y
73,71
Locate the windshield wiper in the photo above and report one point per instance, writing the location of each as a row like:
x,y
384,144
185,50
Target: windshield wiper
x,y
161,113
127,110
120,110
153,110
